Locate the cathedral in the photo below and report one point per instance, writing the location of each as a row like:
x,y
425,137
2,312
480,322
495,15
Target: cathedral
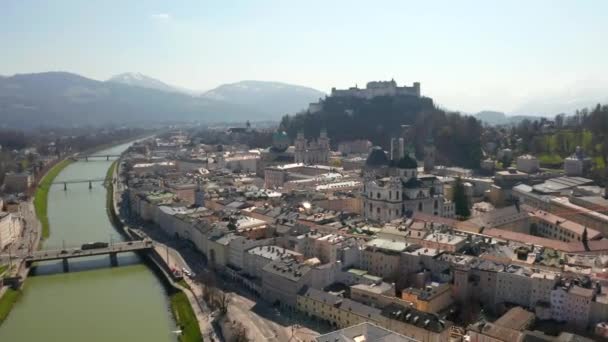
x,y
314,152
393,188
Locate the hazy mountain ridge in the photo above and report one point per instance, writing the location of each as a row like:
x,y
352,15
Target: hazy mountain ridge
x,y
62,98
499,118
139,80
273,98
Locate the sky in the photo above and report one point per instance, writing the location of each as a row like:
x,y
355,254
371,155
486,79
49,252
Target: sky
x,y
468,55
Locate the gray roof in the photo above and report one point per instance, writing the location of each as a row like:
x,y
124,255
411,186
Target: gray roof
x,y
287,268
366,332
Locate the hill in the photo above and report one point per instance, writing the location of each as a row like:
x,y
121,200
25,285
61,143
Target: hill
x,y
271,99
140,80
65,99
456,137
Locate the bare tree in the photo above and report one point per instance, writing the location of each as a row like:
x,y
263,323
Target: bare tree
x,y
239,332
218,299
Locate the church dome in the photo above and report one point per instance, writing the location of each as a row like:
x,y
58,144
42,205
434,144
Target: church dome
x,y
280,141
376,158
406,162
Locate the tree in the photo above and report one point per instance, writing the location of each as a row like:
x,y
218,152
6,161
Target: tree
x,y
506,161
239,332
460,200
584,238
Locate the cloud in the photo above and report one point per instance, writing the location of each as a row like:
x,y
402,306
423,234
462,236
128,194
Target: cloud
x,y
160,16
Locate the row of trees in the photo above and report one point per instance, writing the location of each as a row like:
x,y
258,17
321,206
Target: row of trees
x,y
587,128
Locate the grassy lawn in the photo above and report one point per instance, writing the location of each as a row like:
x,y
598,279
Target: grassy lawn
x,y
184,315
184,284
550,159
42,194
110,195
7,301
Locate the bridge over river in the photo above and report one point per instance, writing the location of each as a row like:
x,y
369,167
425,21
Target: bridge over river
x,y
100,157
70,253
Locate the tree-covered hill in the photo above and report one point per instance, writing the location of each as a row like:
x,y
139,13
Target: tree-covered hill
x,y
456,137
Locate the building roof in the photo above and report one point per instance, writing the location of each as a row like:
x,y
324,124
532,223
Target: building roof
x,y
363,332
427,321
320,296
377,157
517,319
391,245
406,162
287,268
271,252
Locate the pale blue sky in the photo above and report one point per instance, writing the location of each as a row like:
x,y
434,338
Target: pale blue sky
x,y
469,55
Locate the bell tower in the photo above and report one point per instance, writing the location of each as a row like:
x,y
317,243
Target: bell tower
x,y
429,155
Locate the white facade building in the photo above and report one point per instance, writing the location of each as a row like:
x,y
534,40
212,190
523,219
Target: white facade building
x,y
10,229
313,152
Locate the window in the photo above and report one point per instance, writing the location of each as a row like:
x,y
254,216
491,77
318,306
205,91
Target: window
x,y
378,196
420,206
378,210
397,195
390,195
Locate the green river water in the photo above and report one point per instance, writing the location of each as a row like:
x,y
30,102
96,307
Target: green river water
x,y
93,302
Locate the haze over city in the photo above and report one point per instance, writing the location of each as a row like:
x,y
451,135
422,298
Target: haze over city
x,y
312,171
516,56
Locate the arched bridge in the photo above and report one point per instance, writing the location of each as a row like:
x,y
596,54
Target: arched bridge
x,y
70,253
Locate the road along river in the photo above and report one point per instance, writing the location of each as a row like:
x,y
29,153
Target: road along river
x,y
93,302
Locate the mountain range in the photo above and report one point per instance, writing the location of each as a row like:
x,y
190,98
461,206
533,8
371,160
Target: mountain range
x,y
67,99
499,118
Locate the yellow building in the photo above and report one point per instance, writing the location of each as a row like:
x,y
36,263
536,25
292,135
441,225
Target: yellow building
x,y
433,298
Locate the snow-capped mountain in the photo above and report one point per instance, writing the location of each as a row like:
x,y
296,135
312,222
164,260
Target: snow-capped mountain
x,y
139,80
274,98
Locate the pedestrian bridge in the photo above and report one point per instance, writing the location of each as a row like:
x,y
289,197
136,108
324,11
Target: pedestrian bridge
x,y
71,253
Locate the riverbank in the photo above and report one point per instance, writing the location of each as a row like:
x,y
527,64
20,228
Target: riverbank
x,y
185,317
8,300
180,302
9,297
42,195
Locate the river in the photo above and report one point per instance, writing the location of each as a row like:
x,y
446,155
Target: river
x,y
93,302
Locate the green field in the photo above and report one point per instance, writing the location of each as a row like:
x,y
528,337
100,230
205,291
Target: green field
x,y
7,301
185,317
42,194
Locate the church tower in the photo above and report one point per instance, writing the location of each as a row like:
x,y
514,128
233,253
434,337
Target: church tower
x,y
323,145
429,155
300,148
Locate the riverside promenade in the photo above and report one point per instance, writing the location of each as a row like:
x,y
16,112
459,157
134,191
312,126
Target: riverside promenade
x,y
166,258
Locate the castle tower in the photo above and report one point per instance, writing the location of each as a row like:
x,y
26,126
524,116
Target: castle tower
x,y
429,155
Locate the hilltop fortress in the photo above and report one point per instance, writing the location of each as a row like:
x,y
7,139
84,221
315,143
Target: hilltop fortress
x,y
378,88
372,89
